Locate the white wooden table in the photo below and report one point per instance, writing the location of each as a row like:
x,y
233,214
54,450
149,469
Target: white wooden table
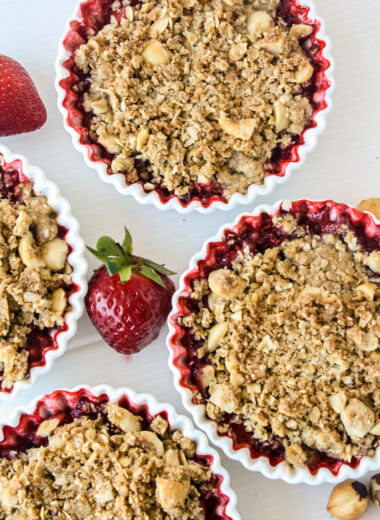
x,y
345,167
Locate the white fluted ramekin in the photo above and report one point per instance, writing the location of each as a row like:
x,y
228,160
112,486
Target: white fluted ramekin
x,y
177,364
299,152
43,186
43,407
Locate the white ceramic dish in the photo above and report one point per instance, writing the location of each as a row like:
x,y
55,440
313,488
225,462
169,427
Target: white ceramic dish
x,y
176,421
43,186
118,180
261,464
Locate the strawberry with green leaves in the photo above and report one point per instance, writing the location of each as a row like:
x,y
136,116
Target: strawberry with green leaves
x,y
128,298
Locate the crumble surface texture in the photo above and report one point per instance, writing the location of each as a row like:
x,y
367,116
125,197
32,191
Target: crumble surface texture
x,y
292,345
33,270
100,470
199,92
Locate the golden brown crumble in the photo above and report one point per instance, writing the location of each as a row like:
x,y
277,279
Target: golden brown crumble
x,y
33,270
204,91
91,470
294,348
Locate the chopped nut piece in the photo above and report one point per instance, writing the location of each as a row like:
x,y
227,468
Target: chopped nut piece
x,y
154,441
47,427
123,419
348,500
282,121
304,73
371,205
241,129
223,397
216,335
156,54
207,374
142,138
274,43
300,30
375,489
55,254
367,290
258,23
369,342
29,253
338,402
171,493
373,261
375,430
225,284
159,26
58,301
357,418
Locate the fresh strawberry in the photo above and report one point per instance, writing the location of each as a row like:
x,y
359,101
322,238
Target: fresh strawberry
x,y
128,298
21,108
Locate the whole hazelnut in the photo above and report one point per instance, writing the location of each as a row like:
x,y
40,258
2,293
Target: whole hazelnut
x,y
374,489
348,500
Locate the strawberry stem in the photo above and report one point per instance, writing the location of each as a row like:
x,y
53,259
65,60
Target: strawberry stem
x,y
120,260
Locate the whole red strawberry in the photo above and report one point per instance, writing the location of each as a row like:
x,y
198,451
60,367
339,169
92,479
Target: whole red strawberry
x,y
21,108
128,298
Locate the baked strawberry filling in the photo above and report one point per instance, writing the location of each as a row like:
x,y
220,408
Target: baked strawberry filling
x,y
277,335
188,147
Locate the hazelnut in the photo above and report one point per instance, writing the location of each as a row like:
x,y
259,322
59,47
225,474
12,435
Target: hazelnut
x,y
282,121
241,128
156,54
348,500
258,23
225,284
304,73
371,205
357,419
374,489
216,334
55,254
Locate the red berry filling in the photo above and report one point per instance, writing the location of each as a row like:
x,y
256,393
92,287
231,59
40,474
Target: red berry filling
x,y
259,233
69,406
97,14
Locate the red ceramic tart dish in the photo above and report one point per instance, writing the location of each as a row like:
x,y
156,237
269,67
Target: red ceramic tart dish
x,y
277,335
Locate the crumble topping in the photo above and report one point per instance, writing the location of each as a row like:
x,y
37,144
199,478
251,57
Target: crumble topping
x,y
33,271
92,469
198,92
292,345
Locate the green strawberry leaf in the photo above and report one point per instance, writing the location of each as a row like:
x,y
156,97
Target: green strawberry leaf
x,y
125,273
100,257
158,267
150,273
112,268
107,246
127,242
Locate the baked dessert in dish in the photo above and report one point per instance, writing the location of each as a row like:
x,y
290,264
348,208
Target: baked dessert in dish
x,y
35,276
277,335
103,459
195,100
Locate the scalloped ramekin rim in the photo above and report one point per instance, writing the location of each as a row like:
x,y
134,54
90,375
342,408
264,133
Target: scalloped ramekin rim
x,y
310,136
154,407
42,185
281,471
